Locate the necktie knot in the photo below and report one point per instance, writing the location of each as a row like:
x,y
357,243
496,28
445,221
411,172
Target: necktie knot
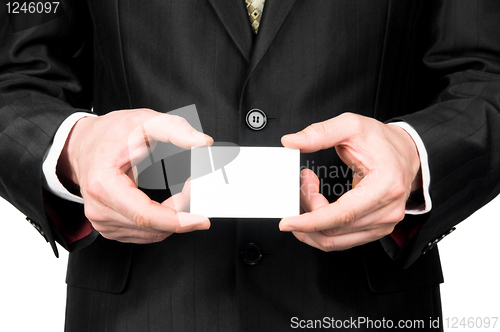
x,y
255,8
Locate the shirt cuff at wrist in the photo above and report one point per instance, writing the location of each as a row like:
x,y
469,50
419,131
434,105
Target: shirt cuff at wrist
x,y
424,166
50,162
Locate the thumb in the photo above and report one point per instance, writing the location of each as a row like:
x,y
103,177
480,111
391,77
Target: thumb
x,y
180,202
356,179
176,130
322,135
310,195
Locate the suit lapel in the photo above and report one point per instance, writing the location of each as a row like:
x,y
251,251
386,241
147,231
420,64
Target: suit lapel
x,y
275,12
234,17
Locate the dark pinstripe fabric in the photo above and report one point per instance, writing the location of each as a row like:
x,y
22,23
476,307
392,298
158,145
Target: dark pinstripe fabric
x,y
199,282
434,64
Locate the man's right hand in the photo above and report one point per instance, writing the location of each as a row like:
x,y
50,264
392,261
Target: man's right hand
x,y
98,157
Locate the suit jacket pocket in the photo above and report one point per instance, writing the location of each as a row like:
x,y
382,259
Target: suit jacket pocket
x,y
386,275
103,266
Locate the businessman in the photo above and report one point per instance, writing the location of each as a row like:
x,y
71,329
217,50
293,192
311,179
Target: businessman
x,y
405,93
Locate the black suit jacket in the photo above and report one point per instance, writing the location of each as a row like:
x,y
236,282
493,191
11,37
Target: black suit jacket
x,y
434,64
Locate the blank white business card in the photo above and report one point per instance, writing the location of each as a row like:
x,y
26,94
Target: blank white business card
x,y
245,182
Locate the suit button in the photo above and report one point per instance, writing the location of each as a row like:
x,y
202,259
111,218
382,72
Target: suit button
x,y
38,228
256,119
251,254
432,244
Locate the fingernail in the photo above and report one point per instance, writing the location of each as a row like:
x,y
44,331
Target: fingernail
x,y
198,222
287,228
198,135
296,137
290,137
203,227
202,137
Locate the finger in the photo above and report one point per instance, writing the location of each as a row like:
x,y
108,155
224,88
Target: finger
x,y
180,202
383,220
324,135
136,206
188,220
353,205
356,179
143,236
140,240
165,128
336,243
105,217
100,214
175,129
310,197
114,226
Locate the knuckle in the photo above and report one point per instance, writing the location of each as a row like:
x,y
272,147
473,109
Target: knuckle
x,y
93,187
346,218
318,128
328,245
176,121
399,214
158,236
381,232
398,190
92,213
392,191
102,229
354,121
137,115
330,232
389,230
348,116
141,221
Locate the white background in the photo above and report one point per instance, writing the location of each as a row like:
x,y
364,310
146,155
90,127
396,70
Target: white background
x,y
32,288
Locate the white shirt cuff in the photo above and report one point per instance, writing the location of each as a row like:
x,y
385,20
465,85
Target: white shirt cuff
x,y
424,166
50,162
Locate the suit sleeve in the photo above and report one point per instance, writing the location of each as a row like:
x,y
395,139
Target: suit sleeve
x,y
460,129
45,76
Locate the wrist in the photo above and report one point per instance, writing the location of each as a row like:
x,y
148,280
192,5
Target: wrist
x,y
419,201
410,147
66,169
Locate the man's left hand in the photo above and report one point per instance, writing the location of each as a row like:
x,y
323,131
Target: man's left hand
x,y
386,163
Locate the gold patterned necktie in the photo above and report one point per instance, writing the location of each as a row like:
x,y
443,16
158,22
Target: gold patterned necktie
x,y
255,8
